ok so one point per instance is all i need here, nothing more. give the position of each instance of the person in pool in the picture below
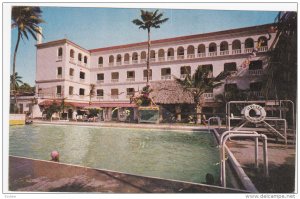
(55, 156)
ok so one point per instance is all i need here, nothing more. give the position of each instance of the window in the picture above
(184, 70)
(256, 86)
(82, 75)
(180, 50)
(208, 67)
(230, 66)
(80, 57)
(100, 60)
(71, 90)
(223, 46)
(100, 76)
(130, 74)
(114, 93)
(115, 75)
(201, 48)
(71, 72)
(135, 56)
(72, 52)
(236, 44)
(111, 59)
(60, 52)
(119, 58)
(255, 65)
(59, 71)
(230, 87)
(85, 59)
(145, 72)
(212, 47)
(100, 92)
(249, 43)
(130, 91)
(58, 90)
(170, 52)
(81, 91)
(165, 73)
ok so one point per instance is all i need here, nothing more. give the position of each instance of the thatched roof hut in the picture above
(170, 92)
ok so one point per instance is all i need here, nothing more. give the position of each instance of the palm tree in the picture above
(149, 20)
(26, 19)
(15, 81)
(92, 92)
(200, 82)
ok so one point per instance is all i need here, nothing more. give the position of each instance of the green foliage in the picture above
(53, 108)
(93, 112)
(15, 81)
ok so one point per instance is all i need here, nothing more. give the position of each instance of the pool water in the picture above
(178, 155)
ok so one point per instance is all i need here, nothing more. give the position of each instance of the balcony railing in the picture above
(179, 57)
(170, 58)
(256, 72)
(190, 56)
(262, 49)
(150, 78)
(99, 97)
(208, 96)
(135, 61)
(212, 54)
(224, 52)
(161, 58)
(126, 62)
(236, 51)
(114, 96)
(114, 80)
(248, 50)
(100, 65)
(58, 95)
(166, 77)
(130, 79)
(111, 64)
(257, 94)
(118, 63)
(201, 55)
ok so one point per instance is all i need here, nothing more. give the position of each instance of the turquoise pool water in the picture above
(177, 155)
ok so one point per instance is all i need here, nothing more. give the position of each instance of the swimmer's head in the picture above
(55, 156)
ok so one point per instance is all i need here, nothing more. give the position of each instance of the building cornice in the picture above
(60, 42)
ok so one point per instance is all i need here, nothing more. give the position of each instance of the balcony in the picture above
(201, 55)
(135, 61)
(161, 58)
(224, 52)
(100, 65)
(248, 50)
(262, 49)
(58, 95)
(99, 97)
(114, 80)
(166, 77)
(179, 57)
(111, 64)
(256, 72)
(208, 96)
(190, 56)
(170, 58)
(126, 62)
(236, 51)
(114, 96)
(130, 79)
(212, 54)
(150, 78)
(118, 63)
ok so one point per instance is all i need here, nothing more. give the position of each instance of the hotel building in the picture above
(67, 71)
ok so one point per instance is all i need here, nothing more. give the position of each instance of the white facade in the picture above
(116, 69)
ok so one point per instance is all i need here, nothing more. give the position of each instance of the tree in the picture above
(15, 81)
(26, 19)
(149, 20)
(200, 82)
(26, 88)
(92, 92)
(281, 79)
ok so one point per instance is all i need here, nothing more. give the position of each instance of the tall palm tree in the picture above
(26, 19)
(149, 20)
(15, 81)
(200, 82)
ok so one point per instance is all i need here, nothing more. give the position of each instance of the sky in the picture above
(100, 27)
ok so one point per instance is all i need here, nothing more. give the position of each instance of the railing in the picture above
(58, 95)
(126, 62)
(111, 64)
(165, 77)
(118, 63)
(257, 93)
(114, 80)
(179, 57)
(161, 58)
(99, 97)
(212, 54)
(208, 96)
(114, 96)
(170, 58)
(130, 79)
(224, 52)
(150, 78)
(135, 61)
(201, 55)
(256, 72)
(100, 65)
(190, 56)
(248, 50)
(262, 49)
(236, 51)
(100, 81)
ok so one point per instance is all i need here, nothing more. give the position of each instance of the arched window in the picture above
(161, 55)
(201, 50)
(126, 58)
(180, 52)
(236, 44)
(80, 57)
(135, 58)
(224, 46)
(143, 55)
(111, 60)
(191, 52)
(249, 43)
(100, 60)
(119, 59)
(152, 55)
(60, 52)
(263, 41)
(170, 54)
(72, 52)
(212, 47)
(85, 59)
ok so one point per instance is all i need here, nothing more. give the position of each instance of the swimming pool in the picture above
(177, 155)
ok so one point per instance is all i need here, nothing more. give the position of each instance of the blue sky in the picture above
(101, 27)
